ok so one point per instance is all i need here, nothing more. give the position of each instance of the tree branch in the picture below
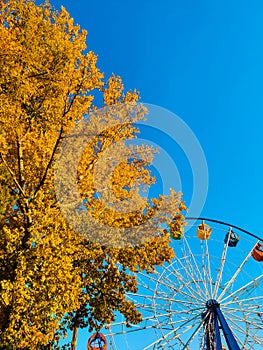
(20, 162)
(49, 164)
(65, 112)
(13, 176)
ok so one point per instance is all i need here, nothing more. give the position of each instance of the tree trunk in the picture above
(74, 338)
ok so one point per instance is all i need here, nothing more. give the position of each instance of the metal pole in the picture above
(230, 339)
(214, 307)
(217, 332)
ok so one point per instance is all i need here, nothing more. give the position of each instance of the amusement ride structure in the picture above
(209, 297)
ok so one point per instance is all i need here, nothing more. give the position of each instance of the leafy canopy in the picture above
(52, 277)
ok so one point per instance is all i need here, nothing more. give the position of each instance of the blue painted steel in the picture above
(230, 339)
(213, 306)
(217, 332)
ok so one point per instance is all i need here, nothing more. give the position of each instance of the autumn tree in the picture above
(53, 275)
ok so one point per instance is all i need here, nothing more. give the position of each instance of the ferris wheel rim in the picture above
(225, 224)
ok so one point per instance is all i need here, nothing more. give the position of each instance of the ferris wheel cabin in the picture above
(97, 342)
(257, 252)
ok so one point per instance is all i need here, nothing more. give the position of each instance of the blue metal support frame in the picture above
(214, 307)
(217, 332)
(230, 339)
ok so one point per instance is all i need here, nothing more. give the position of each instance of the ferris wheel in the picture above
(209, 297)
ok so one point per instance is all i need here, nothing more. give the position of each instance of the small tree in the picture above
(51, 277)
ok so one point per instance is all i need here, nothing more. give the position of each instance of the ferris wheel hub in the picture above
(212, 304)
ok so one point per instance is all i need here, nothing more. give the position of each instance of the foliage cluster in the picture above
(52, 278)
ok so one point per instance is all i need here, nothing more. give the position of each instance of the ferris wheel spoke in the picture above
(195, 268)
(191, 265)
(153, 322)
(248, 311)
(175, 332)
(250, 332)
(233, 278)
(204, 333)
(177, 338)
(190, 273)
(237, 330)
(152, 309)
(122, 328)
(235, 317)
(181, 278)
(207, 255)
(158, 341)
(183, 314)
(182, 323)
(208, 331)
(156, 304)
(201, 324)
(221, 269)
(112, 342)
(139, 326)
(148, 281)
(249, 287)
(156, 309)
(173, 287)
(176, 323)
(252, 329)
(260, 297)
(160, 298)
(206, 269)
(193, 335)
(190, 278)
(186, 312)
(205, 278)
(251, 323)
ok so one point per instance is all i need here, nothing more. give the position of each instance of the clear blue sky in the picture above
(203, 60)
